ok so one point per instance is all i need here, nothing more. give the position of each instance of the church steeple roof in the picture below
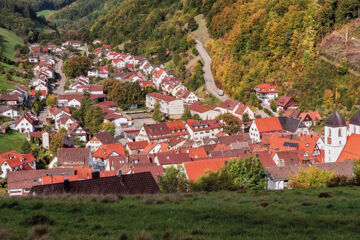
(335, 120)
(355, 119)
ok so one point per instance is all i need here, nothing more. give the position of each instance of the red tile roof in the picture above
(266, 88)
(105, 150)
(315, 116)
(177, 128)
(198, 152)
(351, 150)
(200, 107)
(196, 169)
(162, 97)
(15, 159)
(172, 158)
(203, 124)
(271, 124)
(139, 145)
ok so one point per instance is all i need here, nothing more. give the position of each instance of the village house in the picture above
(171, 159)
(100, 139)
(266, 93)
(203, 129)
(19, 183)
(310, 118)
(276, 125)
(76, 131)
(14, 161)
(103, 153)
(177, 128)
(157, 132)
(72, 157)
(205, 111)
(28, 122)
(136, 147)
(101, 72)
(187, 96)
(158, 76)
(42, 138)
(236, 108)
(10, 112)
(286, 102)
(168, 105)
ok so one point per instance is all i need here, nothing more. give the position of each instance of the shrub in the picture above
(311, 177)
(215, 181)
(173, 181)
(268, 112)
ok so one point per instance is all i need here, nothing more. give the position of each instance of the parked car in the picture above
(221, 93)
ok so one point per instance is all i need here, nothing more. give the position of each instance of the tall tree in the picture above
(157, 115)
(231, 123)
(76, 66)
(93, 119)
(56, 141)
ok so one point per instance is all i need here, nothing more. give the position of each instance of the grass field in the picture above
(8, 40)
(11, 141)
(292, 214)
(4, 83)
(45, 13)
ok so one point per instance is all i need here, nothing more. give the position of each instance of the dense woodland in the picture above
(20, 17)
(252, 42)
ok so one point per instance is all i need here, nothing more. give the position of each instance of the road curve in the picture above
(209, 79)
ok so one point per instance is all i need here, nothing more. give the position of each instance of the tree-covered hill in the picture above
(20, 17)
(253, 41)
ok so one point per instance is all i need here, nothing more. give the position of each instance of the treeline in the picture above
(39, 5)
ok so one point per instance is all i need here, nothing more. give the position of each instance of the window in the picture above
(339, 132)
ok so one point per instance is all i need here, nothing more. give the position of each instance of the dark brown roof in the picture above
(289, 157)
(27, 179)
(228, 140)
(172, 158)
(137, 183)
(105, 138)
(157, 131)
(340, 168)
(230, 153)
(335, 120)
(70, 157)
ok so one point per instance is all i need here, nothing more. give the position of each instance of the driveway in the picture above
(208, 76)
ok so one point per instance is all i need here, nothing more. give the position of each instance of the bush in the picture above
(195, 52)
(215, 181)
(311, 177)
(268, 112)
(337, 181)
(174, 180)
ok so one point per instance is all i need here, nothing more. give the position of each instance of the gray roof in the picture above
(291, 124)
(335, 120)
(355, 119)
(340, 168)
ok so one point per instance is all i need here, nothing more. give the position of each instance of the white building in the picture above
(266, 93)
(199, 130)
(335, 137)
(168, 105)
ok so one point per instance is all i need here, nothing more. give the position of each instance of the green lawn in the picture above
(291, 214)
(8, 40)
(11, 141)
(45, 13)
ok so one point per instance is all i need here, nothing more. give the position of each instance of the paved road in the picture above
(61, 83)
(209, 79)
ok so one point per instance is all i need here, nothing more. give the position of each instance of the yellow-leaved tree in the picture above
(311, 177)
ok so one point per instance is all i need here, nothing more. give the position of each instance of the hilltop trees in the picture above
(76, 66)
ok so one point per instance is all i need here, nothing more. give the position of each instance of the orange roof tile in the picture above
(198, 152)
(271, 124)
(351, 150)
(105, 150)
(196, 169)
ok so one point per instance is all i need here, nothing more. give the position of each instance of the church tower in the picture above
(354, 126)
(335, 137)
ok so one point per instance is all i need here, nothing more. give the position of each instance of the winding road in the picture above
(209, 79)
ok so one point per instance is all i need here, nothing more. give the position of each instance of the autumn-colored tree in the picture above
(51, 100)
(56, 141)
(76, 66)
(311, 177)
(192, 24)
(94, 118)
(157, 115)
(108, 127)
(231, 123)
(343, 66)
